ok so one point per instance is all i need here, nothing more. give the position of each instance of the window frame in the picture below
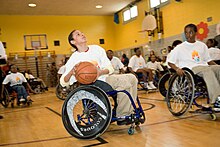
(161, 4)
(131, 18)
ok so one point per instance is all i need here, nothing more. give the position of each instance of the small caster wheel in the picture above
(131, 131)
(213, 116)
(137, 124)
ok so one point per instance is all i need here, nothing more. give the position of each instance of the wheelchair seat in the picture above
(87, 110)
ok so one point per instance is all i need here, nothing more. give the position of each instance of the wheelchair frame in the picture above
(184, 91)
(91, 124)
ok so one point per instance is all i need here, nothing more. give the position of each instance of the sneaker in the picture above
(152, 85)
(149, 87)
(28, 97)
(22, 100)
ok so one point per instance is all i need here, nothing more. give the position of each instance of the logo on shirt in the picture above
(18, 79)
(195, 56)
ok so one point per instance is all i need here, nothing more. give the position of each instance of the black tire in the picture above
(86, 112)
(180, 93)
(6, 99)
(164, 84)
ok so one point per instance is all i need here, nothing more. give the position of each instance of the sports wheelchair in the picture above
(185, 91)
(36, 86)
(87, 111)
(9, 97)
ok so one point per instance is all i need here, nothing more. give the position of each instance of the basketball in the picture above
(86, 73)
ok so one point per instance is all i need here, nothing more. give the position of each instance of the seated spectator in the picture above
(62, 68)
(29, 76)
(214, 52)
(137, 65)
(125, 60)
(154, 65)
(116, 63)
(16, 79)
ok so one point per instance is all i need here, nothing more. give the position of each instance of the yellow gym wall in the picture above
(175, 16)
(13, 29)
(117, 36)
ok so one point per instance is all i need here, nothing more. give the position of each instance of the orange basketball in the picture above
(86, 73)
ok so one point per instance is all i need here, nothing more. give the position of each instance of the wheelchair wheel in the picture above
(163, 84)
(61, 92)
(180, 93)
(6, 99)
(86, 112)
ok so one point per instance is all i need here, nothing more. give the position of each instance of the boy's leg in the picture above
(124, 82)
(210, 79)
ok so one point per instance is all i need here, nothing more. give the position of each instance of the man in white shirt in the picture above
(137, 65)
(16, 79)
(194, 55)
(116, 62)
(214, 52)
(154, 65)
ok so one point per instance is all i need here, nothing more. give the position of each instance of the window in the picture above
(157, 3)
(130, 13)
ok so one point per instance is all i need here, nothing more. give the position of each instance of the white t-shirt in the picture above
(154, 66)
(117, 64)
(95, 55)
(61, 70)
(214, 53)
(190, 55)
(14, 79)
(2, 51)
(136, 63)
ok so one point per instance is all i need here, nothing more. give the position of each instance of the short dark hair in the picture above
(110, 51)
(135, 49)
(193, 26)
(176, 42)
(70, 38)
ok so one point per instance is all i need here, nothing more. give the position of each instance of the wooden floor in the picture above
(40, 125)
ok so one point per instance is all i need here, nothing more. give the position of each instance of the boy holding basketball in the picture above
(97, 55)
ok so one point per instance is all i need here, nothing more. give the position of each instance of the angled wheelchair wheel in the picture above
(163, 84)
(61, 92)
(6, 99)
(180, 93)
(86, 112)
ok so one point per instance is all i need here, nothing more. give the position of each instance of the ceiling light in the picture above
(98, 6)
(32, 5)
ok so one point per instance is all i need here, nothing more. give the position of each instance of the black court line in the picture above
(53, 111)
(151, 106)
(35, 141)
(101, 141)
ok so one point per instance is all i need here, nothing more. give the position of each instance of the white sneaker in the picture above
(149, 87)
(152, 85)
(22, 100)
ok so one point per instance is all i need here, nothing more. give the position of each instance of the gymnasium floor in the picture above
(40, 125)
